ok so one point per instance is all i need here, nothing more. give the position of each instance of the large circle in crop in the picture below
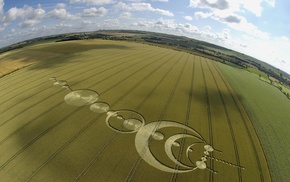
(81, 97)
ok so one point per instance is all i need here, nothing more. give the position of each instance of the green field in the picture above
(284, 89)
(258, 72)
(269, 111)
(42, 138)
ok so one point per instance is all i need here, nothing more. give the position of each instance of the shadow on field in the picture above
(55, 54)
(215, 100)
(41, 144)
(67, 51)
(76, 47)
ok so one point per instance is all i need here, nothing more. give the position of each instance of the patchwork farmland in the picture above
(42, 138)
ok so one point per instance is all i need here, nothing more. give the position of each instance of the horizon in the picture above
(248, 27)
(100, 30)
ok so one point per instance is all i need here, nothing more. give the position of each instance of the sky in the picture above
(259, 28)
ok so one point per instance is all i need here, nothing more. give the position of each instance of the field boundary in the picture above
(242, 108)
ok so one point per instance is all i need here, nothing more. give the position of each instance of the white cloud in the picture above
(274, 51)
(162, 12)
(161, 0)
(223, 38)
(234, 21)
(28, 23)
(207, 27)
(61, 14)
(86, 22)
(2, 25)
(142, 7)
(14, 13)
(231, 6)
(111, 23)
(165, 24)
(1, 7)
(142, 24)
(187, 28)
(200, 14)
(282, 38)
(125, 15)
(250, 29)
(188, 18)
(92, 2)
(94, 12)
(253, 6)
(271, 2)
(63, 25)
(11, 15)
(60, 6)
(216, 4)
(27, 13)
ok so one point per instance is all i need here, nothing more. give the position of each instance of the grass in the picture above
(283, 88)
(264, 77)
(265, 80)
(45, 139)
(269, 112)
(257, 72)
(233, 65)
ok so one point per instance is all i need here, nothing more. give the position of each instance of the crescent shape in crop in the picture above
(142, 140)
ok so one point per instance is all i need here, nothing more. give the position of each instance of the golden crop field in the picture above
(172, 116)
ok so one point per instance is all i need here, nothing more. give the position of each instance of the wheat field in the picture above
(169, 116)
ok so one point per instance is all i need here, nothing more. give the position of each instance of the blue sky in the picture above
(259, 28)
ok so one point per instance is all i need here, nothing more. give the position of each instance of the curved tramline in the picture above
(90, 123)
(34, 106)
(263, 174)
(234, 97)
(53, 61)
(208, 116)
(124, 111)
(87, 70)
(92, 66)
(47, 73)
(137, 108)
(39, 136)
(136, 164)
(228, 121)
(174, 175)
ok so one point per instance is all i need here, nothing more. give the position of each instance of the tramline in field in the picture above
(135, 123)
(177, 109)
